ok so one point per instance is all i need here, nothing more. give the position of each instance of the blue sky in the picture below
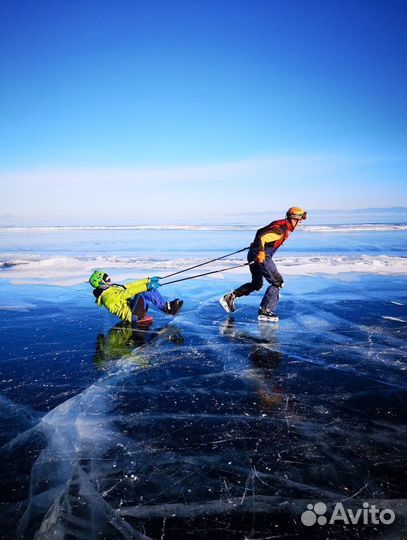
(170, 110)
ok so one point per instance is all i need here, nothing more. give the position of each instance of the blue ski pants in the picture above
(267, 271)
(141, 302)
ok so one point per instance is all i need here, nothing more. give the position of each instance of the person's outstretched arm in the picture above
(136, 287)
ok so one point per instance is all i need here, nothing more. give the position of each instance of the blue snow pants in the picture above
(267, 271)
(141, 302)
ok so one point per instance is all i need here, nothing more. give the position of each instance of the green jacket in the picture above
(117, 299)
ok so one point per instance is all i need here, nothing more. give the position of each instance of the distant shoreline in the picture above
(355, 227)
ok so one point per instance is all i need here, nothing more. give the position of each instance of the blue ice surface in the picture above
(208, 425)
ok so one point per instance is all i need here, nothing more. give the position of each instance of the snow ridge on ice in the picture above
(64, 270)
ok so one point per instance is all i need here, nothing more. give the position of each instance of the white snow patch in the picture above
(345, 228)
(68, 271)
(397, 319)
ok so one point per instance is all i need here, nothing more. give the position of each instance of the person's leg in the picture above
(138, 307)
(154, 297)
(254, 285)
(257, 280)
(141, 302)
(272, 294)
(228, 300)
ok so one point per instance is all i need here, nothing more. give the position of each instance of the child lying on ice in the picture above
(130, 302)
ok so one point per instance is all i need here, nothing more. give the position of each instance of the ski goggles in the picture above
(299, 216)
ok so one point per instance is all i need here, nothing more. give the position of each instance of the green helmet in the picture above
(99, 279)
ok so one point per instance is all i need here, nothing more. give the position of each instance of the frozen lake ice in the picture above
(206, 426)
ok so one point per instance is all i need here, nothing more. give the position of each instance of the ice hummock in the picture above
(68, 271)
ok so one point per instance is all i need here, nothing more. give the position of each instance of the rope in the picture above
(203, 264)
(208, 273)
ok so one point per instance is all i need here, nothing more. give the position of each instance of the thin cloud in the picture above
(286, 165)
(183, 191)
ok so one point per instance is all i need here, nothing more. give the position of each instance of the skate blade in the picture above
(263, 318)
(223, 303)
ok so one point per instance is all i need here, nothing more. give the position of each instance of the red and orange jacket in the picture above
(272, 236)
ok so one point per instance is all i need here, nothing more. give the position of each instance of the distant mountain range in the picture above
(389, 210)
